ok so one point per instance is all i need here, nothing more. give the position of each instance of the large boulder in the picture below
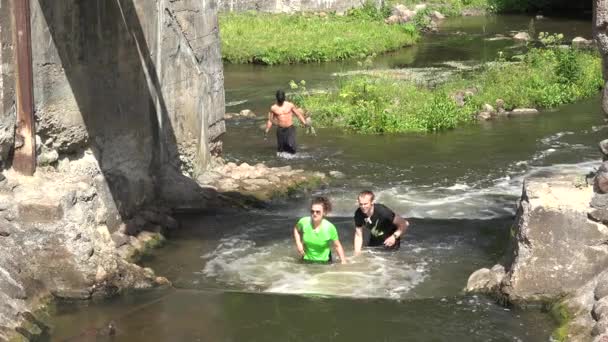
(57, 239)
(557, 248)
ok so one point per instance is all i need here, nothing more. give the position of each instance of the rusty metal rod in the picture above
(24, 159)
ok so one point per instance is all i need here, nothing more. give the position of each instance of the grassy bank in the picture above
(455, 7)
(264, 38)
(300, 38)
(545, 78)
(449, 7)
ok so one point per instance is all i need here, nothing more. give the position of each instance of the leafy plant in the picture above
(550, 40)
(568, 70)
(299, 91)
(369, 11)
(422, 19)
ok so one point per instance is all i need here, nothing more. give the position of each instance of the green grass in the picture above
(546, 78)
(299, 38)
(455, 7)
(448, 7)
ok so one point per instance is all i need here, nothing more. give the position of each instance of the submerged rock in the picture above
(581, 42)
(259, 183)
(522, 36)
(482, 116)
(522, 111)
(337, 174)
(486, 280)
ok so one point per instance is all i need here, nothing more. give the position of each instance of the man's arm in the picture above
(402, 225)
(358, 240)
(298, 112)
(269, 122)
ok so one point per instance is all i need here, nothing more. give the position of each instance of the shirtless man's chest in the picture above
(283, 115)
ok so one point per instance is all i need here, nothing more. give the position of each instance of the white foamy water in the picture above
(235, 103)
(241, 263)
(481, 199)
(299, 155)
(488, 197)
(472, 201)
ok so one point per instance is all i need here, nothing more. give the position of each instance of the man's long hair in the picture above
(280, 95)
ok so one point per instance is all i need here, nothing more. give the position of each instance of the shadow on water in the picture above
(202, 315)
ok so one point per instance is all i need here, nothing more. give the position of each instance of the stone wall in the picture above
(600, 33)
(290, 6)
(7, 83)
(140, 82)
(129, 102)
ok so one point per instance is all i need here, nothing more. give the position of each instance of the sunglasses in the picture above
(316, 211)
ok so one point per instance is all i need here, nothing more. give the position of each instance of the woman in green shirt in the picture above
(314, 234)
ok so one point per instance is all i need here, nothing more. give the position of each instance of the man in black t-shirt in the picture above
(386, 227)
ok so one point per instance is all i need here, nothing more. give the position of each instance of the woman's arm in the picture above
(298, 239)
(340, 251)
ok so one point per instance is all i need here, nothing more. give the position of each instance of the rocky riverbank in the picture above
(558, 256)
(62, 235)
(58, 239)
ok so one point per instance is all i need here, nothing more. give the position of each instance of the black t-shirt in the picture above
(380, 225)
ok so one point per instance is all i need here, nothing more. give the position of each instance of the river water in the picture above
(235, 274)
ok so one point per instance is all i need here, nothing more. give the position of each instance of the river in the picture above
(235, 275)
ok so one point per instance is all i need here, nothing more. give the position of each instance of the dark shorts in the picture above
(286, 139)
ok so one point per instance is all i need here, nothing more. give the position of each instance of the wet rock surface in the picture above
(247, 184)
(486, 280)
(71, 241)
(557, 248)
(559, 255)
(57, 242)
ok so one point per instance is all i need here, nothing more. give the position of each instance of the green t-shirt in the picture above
(317, 245)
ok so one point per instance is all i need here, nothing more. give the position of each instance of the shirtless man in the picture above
(281, 114)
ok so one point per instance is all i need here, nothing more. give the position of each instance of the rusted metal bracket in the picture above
(24, 159)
